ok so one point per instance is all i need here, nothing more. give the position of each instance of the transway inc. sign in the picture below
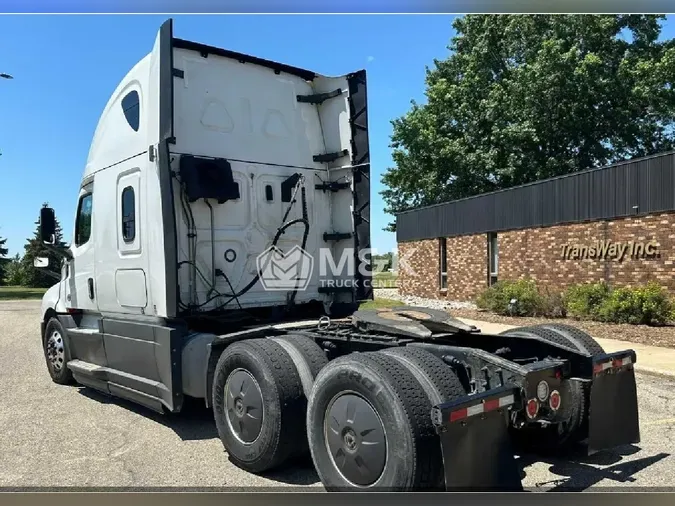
(608, 250)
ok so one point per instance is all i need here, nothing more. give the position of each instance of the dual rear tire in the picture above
(365, 418)
(562, 437)
(259, 399)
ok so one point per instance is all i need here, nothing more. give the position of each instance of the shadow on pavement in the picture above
(195, 423)
(578, 471)
(299, 471)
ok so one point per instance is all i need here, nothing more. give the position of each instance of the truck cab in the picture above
(200, 157)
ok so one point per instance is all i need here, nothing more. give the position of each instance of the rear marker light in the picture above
(554, 400)
(483, 407)
(612, 364)
(532, 408)
(542, 391)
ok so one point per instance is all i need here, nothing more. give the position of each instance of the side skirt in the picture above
(137, 360)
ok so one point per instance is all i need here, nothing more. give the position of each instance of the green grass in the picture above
(20, 292)
(380, 303)
(385, 280)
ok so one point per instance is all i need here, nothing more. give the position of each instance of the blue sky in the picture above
(66, 67)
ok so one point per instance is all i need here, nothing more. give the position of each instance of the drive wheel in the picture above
(369, 427)
(258, 404)
(308, 359)
(56, 352)
(561, 437)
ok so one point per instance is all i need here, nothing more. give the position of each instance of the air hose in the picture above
(304, 220)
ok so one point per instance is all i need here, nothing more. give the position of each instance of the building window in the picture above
(493, 259)
(83, 223)
(443, 264)
(128, 214)
(132, 109)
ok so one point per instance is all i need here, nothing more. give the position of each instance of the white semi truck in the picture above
(203, 162)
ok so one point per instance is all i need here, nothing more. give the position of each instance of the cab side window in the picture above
(83, 222)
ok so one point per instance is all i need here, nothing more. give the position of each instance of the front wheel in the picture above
(56, 352)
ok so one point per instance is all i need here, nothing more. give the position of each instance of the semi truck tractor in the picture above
(221, 253)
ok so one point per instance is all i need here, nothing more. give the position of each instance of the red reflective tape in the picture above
(491, 405)
(458, 415)
(617, 363)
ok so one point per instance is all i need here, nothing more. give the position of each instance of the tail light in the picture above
(532, 408)
(554, 400)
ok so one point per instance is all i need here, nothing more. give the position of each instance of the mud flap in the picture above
(613, 411)
(475, 443)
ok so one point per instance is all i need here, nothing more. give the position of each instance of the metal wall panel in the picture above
(634, 187)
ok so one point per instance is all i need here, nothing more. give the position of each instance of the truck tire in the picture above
(56, 352)
(307, 356)
(308, 359)
(580, 339)
(560, 437)
(439, 381)
(372, 398)
(584, 343)
(258, 404)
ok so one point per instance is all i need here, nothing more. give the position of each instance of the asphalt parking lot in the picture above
(58, 436)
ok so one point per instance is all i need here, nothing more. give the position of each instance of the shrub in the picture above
(647, 305)
(553, 304)
(583, 301)
(498, 297)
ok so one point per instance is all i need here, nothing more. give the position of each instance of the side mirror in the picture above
(41, 262)
(47, 225)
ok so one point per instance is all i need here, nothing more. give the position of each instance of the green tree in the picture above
(383, 261)
(14, 272)
(3, 258)
(525, 97)
(35, 277)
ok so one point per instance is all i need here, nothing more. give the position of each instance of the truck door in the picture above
(81, 290)
(86, 342)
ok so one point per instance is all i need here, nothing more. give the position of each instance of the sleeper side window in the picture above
(128, 214)
(132, 109)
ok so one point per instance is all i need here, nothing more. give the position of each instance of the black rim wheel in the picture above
(244, 405)
(355, 438)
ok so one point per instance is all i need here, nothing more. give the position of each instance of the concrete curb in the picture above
(651, 371)
(645, 354)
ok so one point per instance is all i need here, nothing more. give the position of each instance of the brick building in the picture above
(614, 223)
